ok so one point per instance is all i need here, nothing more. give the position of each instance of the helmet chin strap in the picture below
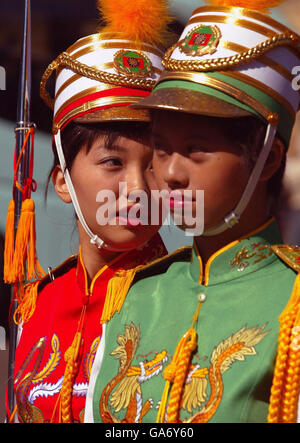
(233, 217)
(94, 239)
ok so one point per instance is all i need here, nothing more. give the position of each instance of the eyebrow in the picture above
(192, 138)
(114, 147)
(155, 135)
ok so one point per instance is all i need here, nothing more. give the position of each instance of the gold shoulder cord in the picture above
(171, 64)
(66, 61)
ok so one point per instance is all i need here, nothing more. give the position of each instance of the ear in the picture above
(274, 160)
(60, 185)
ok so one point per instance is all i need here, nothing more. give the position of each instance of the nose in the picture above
(136, 183)
(175, 174)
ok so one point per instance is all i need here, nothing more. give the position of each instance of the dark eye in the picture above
(195, 149)
(111, 162)
(159, 150)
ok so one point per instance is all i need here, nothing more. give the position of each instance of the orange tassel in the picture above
(142, 21)
(27, 298)
(25, 245)
(9, 243)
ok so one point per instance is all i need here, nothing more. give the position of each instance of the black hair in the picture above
(77, 136)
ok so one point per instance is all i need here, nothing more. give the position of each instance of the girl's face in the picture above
(110, 210)
(192, 153)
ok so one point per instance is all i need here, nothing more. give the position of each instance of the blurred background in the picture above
(56, 24)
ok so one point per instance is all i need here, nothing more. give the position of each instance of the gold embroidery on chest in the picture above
(89, 359)
(34, 384)
(234, 348)
(255, 253)
(127, 383)
(28, 413)
(124, 391)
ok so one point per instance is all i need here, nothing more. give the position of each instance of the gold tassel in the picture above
(72, 356)
(175, 374)
(25, 245)
(9, 244)
(27, 297)
(117, 290)
(286, 379)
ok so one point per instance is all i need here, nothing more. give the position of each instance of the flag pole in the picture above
(23, 125)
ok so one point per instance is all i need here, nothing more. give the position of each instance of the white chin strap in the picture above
(233, 217)
(95, 240)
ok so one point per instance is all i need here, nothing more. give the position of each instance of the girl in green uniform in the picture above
(200, 330)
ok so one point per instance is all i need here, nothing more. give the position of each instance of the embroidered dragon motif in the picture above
(234, 348)
(204, 387)
(127, 383)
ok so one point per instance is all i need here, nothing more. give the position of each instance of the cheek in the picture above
(226, 174)
(158, 172)
(89, 180)
(150, 180)
(223, 187)
(236, 174)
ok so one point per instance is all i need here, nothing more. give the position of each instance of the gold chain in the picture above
(66, 61)
(228, 62)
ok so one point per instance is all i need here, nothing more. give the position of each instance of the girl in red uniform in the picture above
(99, 142)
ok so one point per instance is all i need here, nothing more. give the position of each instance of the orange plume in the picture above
(141, 21)
(257, 5)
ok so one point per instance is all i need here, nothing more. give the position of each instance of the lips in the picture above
(177, 200)
(131, 222)
(180, 204)
(125, 219)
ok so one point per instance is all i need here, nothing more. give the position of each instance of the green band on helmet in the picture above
(286, 121)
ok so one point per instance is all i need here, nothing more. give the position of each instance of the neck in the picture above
(256, 214)
(93, 258)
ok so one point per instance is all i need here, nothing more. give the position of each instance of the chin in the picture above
(126, 239)
(191, 229)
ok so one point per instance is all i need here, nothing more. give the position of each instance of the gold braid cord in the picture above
(285, 390)
(219, 64)
(64, 60)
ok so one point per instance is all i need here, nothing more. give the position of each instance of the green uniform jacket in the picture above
(243, 289)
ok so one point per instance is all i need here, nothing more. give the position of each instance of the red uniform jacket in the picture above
(40, 362)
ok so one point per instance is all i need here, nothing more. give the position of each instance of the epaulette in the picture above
(162, 264)
(28, 295)
(289, 255)
(61, 269)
